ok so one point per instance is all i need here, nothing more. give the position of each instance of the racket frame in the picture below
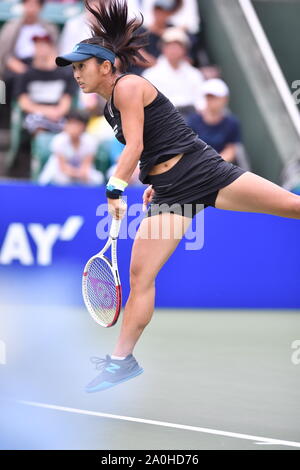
(113, 265)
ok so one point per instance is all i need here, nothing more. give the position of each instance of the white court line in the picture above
(265, 443)
(265, 440)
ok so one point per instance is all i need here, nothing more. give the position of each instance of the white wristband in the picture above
(117, 183)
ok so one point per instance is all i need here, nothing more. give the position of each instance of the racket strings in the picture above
(101, 290)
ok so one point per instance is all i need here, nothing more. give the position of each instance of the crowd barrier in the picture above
(226, 260)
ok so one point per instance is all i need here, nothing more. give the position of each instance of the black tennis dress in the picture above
(195, 179)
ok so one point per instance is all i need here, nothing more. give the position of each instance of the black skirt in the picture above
(193, 183)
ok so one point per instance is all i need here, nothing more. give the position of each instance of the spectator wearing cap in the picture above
(17, 47)
(174, 76)
(215, 124)
(44, 93)
(162, 11)
(183, 14)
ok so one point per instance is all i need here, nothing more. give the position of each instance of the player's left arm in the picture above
(129, 99)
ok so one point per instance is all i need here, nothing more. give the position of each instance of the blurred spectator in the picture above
(45, 94)
(77, 29)
(45, 91)
(174, 76)
(63, 1)
(187, 16)
(17, 47)
(73, 154)
(183, 14)
(162, 10)
(214, 124)
(161, 13)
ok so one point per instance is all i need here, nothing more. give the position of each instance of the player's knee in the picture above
(139, 278)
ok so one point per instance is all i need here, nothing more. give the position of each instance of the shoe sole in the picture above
(113, 384)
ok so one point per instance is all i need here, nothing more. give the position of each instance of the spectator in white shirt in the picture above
(73, 154)
(174, 76)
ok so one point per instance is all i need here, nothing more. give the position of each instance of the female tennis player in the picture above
(180, 169)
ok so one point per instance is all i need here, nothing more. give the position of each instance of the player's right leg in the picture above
(156, 239)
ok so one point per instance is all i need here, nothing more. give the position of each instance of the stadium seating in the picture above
(9, 10)
(40, 151)
(53, 12)
(59, 13)
(15, 134)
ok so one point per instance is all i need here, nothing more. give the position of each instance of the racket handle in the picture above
(115, 228)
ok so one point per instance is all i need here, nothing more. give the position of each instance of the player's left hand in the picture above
(147, 197)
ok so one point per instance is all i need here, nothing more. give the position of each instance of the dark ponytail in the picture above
(111, 29)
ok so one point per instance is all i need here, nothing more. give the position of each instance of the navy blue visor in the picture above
(84, 51)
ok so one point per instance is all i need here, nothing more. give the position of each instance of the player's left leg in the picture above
(252, 193)
(156, 240)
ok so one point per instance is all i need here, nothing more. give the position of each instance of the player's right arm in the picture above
(129, 99)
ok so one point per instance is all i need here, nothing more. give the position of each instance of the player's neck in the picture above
(105, 89)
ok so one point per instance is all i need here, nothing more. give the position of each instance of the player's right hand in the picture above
(117, 208)
(147, 197)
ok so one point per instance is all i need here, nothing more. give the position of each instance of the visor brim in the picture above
(68, 59)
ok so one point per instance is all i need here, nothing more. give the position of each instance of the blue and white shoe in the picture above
(113, 372)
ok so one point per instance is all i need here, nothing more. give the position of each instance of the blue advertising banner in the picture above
(226, 259)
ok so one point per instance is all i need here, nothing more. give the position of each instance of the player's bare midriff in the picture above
(165, 166)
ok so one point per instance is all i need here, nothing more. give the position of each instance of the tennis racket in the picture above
(101, 286)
